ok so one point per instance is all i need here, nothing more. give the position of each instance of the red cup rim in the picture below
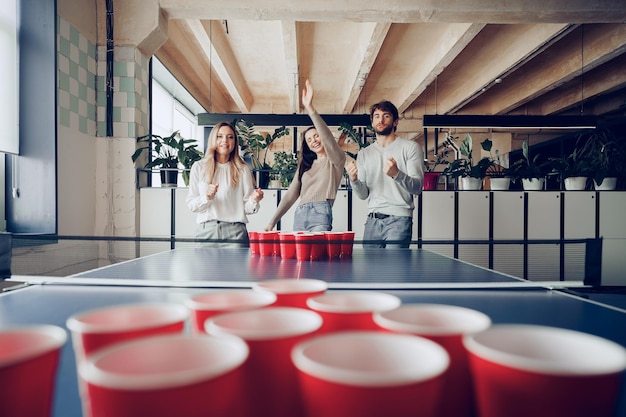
(230, 300)
(199, 358)
(433, 320)
(48, 338)
(354, 302)
(416, 359)
(547, 350)
(265, 324)
(292, 285)
(91, 321)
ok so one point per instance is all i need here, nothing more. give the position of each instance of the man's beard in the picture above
(384, 131)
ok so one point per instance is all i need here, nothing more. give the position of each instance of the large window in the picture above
(173, 108)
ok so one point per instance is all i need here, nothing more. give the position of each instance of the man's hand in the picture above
(391, 168)
(352, 170)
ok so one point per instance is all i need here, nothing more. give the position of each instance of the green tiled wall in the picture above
(82, 86)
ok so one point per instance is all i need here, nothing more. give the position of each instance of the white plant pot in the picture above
(275, 184)
(532, 184)
(609, 183)
(499, 184)
(575, 183)
(471, 183)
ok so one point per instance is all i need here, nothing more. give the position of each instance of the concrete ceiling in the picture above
(535, 57)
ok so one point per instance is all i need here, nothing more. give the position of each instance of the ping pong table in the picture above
(416, 276)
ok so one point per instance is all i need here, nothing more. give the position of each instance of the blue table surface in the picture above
(53, 304)
(366, 266)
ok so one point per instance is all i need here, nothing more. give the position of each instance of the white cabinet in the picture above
(473, 224)
(267, 208)
(613, 231)
(438, 220)
(544, 222)
(359, 216)
(579, 221)
(508, 224)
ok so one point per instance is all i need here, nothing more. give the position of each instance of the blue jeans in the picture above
(393, 229)
(313, 217)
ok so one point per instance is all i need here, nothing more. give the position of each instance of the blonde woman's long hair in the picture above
(236, 163)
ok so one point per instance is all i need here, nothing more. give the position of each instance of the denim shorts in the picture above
(218, 234)
(391, 231)
(313, 217)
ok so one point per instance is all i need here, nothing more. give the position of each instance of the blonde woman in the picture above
(222, 192)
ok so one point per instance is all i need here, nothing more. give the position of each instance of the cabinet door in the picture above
(579, 219)
(474, 225)
(340, 211)
(155, 219)
(544, 222)
(508, 224)
(438, 220)
(185, 226)
(613, 231)
(359, 215)
(260, 219)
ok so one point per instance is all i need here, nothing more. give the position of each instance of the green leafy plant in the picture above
(353, 135)
(442, 156)
(575, 164)
(606, 154)
(465, 166)
(527, 167)
(284, 167)
(168, 152)
(253, 143)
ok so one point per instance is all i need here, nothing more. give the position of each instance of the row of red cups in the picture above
(268, 352)
(303, 246)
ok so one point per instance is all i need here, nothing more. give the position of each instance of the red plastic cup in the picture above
(370, 374)
(269, 243)
(209, 304)
(96, 329)
(304, 244)
(526, 370)
(29, 359)
(318, 247)
(333, 244)
(351, 310)
(271, 379)
(445, 325)
(347, 244)
(288, 245)
(254, 242)
(292, 292)
(164, 376)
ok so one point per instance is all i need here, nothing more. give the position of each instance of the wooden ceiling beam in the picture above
(368, 48)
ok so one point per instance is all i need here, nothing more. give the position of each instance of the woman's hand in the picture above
(211, 191)
(257, 195)
(307, 97)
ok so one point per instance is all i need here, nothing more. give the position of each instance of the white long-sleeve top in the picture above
(229, 204)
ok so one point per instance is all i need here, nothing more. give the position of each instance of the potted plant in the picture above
(431, 174)
(574, 168)
(167, 153)
(283, 169)
(497, 173)
(607, 156)
(472, 174)
(253, 144)
(529, 170)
